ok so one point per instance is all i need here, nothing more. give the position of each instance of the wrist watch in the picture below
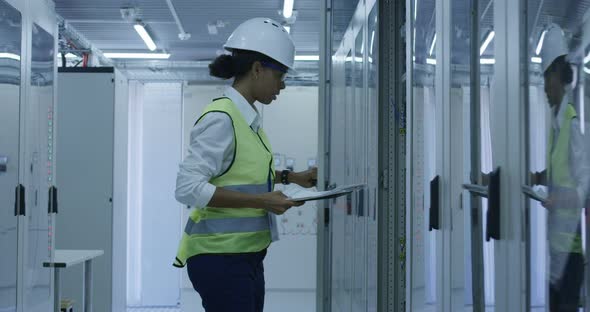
(285, 177)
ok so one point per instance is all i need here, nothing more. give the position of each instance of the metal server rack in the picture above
(392, 157)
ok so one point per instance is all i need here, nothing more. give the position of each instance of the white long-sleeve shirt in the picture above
(579, 158)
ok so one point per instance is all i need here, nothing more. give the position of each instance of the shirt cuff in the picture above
(206, 194)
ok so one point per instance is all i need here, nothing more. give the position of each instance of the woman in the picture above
(229, 173)
(567, 176)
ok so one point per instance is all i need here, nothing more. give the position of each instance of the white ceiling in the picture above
(101, 23)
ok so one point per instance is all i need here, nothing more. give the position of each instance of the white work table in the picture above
(69, 258)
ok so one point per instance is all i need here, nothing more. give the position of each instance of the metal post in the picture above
(56, 294)
(527, 165)
(324, 261)
(392, 131)
(581, 107)
(477, 266)
(87, 297)
(508, 108)
(444, 31)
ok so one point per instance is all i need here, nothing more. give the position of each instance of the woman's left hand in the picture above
(307, 179)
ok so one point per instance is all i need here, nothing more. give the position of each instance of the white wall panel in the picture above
(161, 141)
(120, 192)
(134, 206)
(156, 139)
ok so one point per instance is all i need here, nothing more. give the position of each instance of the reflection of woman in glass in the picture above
(566, 176)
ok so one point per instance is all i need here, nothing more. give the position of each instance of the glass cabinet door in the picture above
(40, 142)
(372, 157)
(341, 149)
(425, 179)
(10, 86)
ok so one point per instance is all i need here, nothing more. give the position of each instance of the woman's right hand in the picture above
(277, 202)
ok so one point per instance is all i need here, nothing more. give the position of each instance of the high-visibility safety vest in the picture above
(233, 230)
(564, 218)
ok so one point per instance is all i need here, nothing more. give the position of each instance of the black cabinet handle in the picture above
(493, 215)
(52, 200)
(361, 203)
(16, 201)
(434, 212)
(19, 200)
(349, 204)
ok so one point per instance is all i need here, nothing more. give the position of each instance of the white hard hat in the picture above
(265, 36)
(554, 45)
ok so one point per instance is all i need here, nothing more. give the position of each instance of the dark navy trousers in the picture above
(229, 283)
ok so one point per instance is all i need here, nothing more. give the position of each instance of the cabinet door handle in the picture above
(19, 200)
(52, 201)
(3, 163)
(493, 216)
(434, 211)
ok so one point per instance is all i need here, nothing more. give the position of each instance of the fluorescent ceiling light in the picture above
(372, 42)
(540, 44)
(536, 60)
(487, 42)
(11, 56)
(414, 46)
(587, 70)
(307, 57)
(288, 8)
(415, 9)
(587, 58)
(159, 56)
(145, 36)
(432, 44)
(288, 28)
(485, 61)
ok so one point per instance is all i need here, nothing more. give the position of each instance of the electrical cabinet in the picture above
(10, 84)
(27, 70)
(88, 99)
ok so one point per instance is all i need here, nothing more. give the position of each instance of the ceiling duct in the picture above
(82, 45)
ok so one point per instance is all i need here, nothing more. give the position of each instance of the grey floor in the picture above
(154, 309)
(275, 301)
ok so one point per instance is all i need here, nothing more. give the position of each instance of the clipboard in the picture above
(306, 195)
(531, 193)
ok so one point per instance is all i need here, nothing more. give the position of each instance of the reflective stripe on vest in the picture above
(230, 225)
(563, 223)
